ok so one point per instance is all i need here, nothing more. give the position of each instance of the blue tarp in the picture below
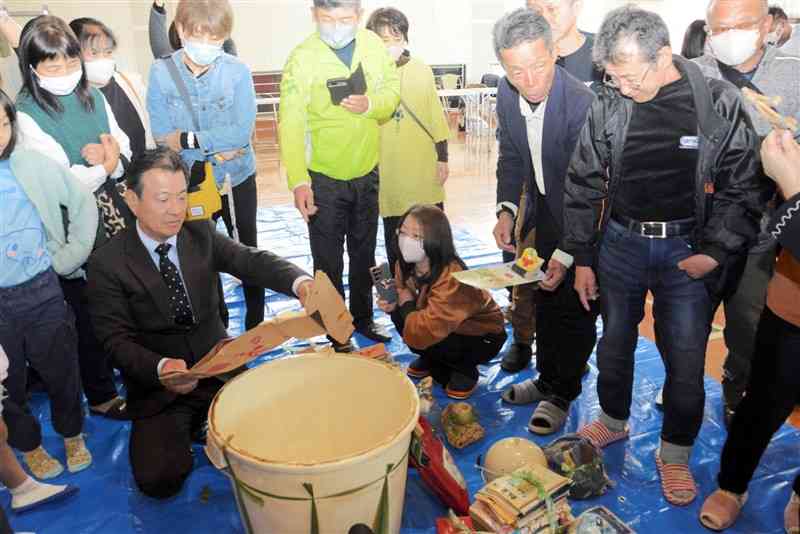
(109, 502)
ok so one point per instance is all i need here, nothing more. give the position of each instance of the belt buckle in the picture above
(662, 226)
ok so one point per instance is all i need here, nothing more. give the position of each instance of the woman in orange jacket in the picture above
(452, 327)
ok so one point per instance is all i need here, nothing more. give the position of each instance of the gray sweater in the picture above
(778, 74)
(159, 38)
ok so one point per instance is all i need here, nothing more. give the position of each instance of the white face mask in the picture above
(412, 249)
(100, 71)
(396, 51)
(337, 36)
(60, 85)
(734, 47)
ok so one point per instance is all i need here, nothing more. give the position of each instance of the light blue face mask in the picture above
(202, 53)
(337, 36)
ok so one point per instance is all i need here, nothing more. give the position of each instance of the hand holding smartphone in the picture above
(384, 283)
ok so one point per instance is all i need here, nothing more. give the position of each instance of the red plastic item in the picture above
(443, 525)
(437, 468)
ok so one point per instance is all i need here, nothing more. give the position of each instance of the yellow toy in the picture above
(527, 262)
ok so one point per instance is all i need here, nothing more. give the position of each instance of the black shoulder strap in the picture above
(737, 78)
(187, 100)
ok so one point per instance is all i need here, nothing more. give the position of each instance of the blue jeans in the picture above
(630, 265)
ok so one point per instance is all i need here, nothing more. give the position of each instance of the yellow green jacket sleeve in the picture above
(384, 95)
(293, 117)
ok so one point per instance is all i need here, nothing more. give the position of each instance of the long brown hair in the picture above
(437, 242)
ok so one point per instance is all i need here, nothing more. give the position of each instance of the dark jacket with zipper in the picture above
(729, 193)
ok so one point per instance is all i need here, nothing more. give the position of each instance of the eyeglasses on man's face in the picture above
(626, 81)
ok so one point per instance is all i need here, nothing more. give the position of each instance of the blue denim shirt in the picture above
(225, 101)
(22, 236)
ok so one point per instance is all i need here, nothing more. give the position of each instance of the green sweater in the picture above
(52, 189)
(343, 145)
(74, 127)
(408, 154)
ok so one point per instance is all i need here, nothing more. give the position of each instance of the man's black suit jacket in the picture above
(128, 303)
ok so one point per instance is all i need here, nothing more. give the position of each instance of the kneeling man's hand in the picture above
(170, 376)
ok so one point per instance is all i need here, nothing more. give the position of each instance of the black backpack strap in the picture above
(737, 78)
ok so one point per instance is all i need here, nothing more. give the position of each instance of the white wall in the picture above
(442, 31)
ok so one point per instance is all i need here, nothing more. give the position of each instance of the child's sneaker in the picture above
(419, 368)
(461, 386)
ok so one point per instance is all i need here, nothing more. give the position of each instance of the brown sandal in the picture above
(721, 509)
(791, 516)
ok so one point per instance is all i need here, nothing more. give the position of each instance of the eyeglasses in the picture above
(610, 81)
(742, 26)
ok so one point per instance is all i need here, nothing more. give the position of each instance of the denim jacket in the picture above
(225, 101)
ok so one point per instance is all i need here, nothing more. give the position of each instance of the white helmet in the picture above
(508, 455)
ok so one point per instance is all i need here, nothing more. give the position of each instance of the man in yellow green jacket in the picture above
(331, 150)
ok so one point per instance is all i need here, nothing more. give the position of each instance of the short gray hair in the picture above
(520, 26)
(333, 4)
(629, 24)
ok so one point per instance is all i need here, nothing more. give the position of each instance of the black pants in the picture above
(390, 227)
(97, 373)
(347, 209)
(245, 203)
(743, 311)
(5, 528)
(161, 445)
(770, 397)
(461, 354)
(37, 329)
(565, 337)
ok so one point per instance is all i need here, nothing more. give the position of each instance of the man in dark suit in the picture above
(573, 49)
(541, 109)
(155, 307)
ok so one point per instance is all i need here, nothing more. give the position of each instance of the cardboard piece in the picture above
(325, 313)
(498, 277)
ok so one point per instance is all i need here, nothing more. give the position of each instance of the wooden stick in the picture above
(765, 104)
(772, 101)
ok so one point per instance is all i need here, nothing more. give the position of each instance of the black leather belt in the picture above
(657, 230)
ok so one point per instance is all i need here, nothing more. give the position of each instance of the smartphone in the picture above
(339, 89)
(384, 282)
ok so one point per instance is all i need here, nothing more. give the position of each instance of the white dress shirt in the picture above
(534, 121)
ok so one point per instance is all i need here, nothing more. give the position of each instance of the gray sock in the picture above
(614, 425)
(674, 454)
